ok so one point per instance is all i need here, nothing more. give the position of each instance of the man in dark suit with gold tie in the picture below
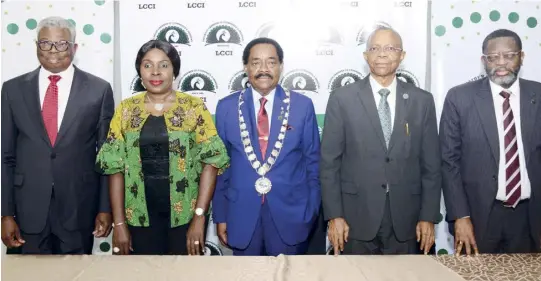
(53, 120)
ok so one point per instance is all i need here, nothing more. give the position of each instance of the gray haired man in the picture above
(380, 159)
(53, 119)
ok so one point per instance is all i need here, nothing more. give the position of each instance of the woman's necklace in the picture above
(159, 106)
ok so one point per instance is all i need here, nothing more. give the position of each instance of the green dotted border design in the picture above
(476, 17)
(494, 15)
(12, 28)
(88, 29)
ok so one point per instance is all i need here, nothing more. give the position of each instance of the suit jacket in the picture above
(356, 165)
(470, 152)
(295, 197)
(32, 167)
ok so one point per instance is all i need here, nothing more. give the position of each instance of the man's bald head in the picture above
(385, 33)
(384, 53)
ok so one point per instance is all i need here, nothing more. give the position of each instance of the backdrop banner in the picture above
(458, 29)
(323, 44)
(94, 21)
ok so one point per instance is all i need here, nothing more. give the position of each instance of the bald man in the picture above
(380, 159)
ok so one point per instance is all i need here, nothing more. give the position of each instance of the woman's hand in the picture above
(195, 238)
(122, 240)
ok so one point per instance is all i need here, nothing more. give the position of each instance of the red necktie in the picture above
(50, 108)
(263, 127)
(512, 164)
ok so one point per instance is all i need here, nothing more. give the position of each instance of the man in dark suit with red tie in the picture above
(53, 120)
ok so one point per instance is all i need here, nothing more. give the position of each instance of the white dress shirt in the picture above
(268, 105)
(514, 101)
(64, 88)
(391, 98)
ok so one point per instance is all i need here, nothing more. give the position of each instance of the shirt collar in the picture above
(68, 72)
(497, 89)
(376, 86)
(269, 97)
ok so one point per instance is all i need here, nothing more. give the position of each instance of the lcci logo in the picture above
(406, 4)
(196, 5)
(147, 6)
(247, 4)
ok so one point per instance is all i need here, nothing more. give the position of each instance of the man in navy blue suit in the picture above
(268, 201)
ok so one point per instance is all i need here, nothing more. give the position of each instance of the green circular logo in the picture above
(457, 22)
(88, 29)
(439, 30)
(531, 22)
(99, 2)
(513, 17)
(31, 24)
(442, 252)
(105, 38)
(12, 28)
(475, 17)
(494, 15)
(105, 247)
(72, 22)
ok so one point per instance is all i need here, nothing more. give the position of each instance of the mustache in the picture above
(494, 70)
(60, 56)
(263, 75)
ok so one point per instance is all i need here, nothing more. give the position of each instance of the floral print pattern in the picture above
(193, 142)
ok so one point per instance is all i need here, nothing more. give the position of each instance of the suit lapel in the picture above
(401, 110)
(485, 107)
(276, 121)
(369, 103)
(248, 112)
(32, 100)
(528, 110)
(76, 102)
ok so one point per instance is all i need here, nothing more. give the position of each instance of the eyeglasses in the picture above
(61, 46)
(507, 57)
(385, 49)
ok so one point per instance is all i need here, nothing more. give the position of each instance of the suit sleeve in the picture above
(106, 114)
(430, 166)
(9, 137)
(451, 142)
(332, 147)
(219, 201)
(311, 151)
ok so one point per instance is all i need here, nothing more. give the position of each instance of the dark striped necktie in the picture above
(512, 164)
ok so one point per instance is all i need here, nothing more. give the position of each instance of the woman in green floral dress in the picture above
(163, 155)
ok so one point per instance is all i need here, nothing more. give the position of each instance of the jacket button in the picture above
(383, 186)
(387, 159)
(53, 155)
(494, 178)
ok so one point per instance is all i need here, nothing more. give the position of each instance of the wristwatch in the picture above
(199, 211)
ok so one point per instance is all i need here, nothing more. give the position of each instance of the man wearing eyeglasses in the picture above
(380, 159)
(491, 145)
(53, 120)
